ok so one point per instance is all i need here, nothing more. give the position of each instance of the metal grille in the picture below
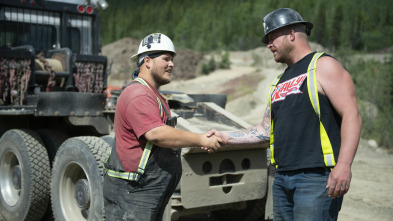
(29, 27)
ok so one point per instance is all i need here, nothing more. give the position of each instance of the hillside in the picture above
(246, 84)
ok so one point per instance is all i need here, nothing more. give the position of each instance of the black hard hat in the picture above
(280, 18)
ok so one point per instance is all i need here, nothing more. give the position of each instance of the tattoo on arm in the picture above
(266, 120)
(253, 135)
(258, 134)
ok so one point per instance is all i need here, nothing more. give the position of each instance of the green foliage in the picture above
(206, 25)
(199, 25)
(212, 65)
(374, 85)
(320, 30)
(208, 67)
(335, 29)
(225, 63)
(205, 69)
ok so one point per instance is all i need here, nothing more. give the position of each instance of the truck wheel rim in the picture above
(10, 179)
(70, 180)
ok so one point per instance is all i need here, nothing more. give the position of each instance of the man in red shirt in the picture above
(144, 168)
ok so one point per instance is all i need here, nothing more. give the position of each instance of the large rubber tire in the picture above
(76, 187)
(255, 210)
(110, 140)
(52, 140)
(24, 176)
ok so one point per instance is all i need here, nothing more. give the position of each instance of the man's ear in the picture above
(147, 61)
(292, 35)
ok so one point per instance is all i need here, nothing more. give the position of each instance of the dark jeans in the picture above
(145, 199)
(301, 195)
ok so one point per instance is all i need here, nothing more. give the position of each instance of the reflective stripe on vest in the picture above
(140, 80)
(145, 155)
(327, 149)
(271, 88)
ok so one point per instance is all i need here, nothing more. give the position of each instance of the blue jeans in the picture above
(301, 195)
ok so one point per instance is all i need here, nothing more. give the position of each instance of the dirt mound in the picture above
(187, 62)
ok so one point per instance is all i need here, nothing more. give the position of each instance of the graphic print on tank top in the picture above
(291, 86)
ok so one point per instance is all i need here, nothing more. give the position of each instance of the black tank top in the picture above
(297, 143)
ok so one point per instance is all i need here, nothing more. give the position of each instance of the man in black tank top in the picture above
(312, 122)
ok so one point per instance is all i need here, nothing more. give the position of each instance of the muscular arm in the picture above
(254, 135)
(335, 82)
(169, 137)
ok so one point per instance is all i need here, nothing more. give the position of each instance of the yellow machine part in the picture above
(54, 63)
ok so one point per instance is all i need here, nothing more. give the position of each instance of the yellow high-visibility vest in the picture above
(327, 149)
(145, 155)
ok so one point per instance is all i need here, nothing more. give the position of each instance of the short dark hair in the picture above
(299, 27)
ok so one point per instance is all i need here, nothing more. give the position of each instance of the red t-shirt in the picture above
(137, 112)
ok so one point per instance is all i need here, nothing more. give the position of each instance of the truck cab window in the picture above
(73, 41)
(41, 37)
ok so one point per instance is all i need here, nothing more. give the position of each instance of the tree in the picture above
(320, 25)
(336, 26)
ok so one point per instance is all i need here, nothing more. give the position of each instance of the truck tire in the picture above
(255, 210)
(110, 140)
(24, 176)
(52, 140)
(76, 187)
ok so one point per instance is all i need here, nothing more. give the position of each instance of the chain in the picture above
(99, 83)
(3, 77)
(49, 68)
(89, 77)
(24, 78)
(14, 80)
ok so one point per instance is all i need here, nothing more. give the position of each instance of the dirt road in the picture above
(370, 196)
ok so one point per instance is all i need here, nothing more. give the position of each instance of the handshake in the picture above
(212, 141)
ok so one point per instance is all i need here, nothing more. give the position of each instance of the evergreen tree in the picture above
(206, 25)
(336, 26)
(355, 37)
(320, 25)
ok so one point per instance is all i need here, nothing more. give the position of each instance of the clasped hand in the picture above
(215, 141)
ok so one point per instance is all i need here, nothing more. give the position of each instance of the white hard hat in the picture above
(155, 42)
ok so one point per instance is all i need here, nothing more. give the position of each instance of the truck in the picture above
(56, 125)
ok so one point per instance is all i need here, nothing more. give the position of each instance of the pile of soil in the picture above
(187, 62)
